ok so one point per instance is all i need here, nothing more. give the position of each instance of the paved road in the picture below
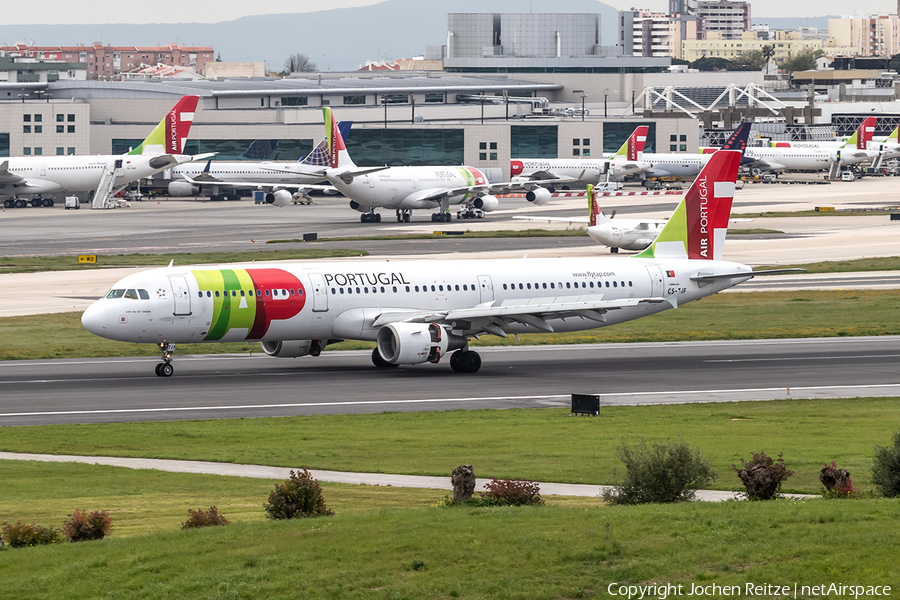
(110, 390)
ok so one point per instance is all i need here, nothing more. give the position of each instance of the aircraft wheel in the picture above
(399, 217)
(21, 203)
(614, 250)
(363, 218)
(377, 218)
(166, 369)
(406, 217)
(157, 368)
(456, 360)
(48, 202)
(9, 203)
(470, 361)
(380, 362)
(434, 217)
(37, 202)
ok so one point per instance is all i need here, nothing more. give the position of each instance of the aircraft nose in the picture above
(95, 319)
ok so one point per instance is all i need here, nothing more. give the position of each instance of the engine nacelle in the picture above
(183, 189)
(538, 196)
(412, 343)
(279, 198)
(292, 348)
(487, 203)
(358, 207)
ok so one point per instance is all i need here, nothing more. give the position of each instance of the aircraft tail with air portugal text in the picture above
(697, 227)
(634, 145)
(171, 133)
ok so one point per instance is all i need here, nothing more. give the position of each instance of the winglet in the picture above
(697, 228)
(635, 143)
(170, 135)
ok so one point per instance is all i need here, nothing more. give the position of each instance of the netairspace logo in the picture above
(750, 590)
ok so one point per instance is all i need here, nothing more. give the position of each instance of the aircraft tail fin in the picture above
(319, 156)
(738, 139)
(894, 138)
(863, 135)
(337, 150)
(698, 225)
(635, 143)
(170, 136)
(595, 213)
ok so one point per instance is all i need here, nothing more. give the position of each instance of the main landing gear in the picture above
(441, 217)
(370, 217)
(465, 361)
(403, 215)
(613, 250)
(165, 368)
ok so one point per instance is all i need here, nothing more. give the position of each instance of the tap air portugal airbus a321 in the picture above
(419, 311)
(44, 175)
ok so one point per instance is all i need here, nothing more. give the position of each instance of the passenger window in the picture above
(242, 293)
(630, 284)
(521, 286)
(417, 288)
(217, 293)
(131, 294)
(382, 289)
(432, 288)
(465, 288)
(395, 289)
(349, 290)
(528, 285)
(299, 291)
(208, 294)
(342, 290)
(457, 288)
(544, 285)
(552, 286)
(504, 286)
(357, 290)
(258, 293)
(333, 291)
(267, 293)
(199, 294)
(441, 288)
(145, 296)
(607, 284)
(568, 285)
(366, 290)
(592, 285)
(614, 284)
(407, 289)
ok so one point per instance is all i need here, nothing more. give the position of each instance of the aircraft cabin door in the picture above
(181, 294)
(319, 292)
(486, 287)
(657, 287)
(43, 169)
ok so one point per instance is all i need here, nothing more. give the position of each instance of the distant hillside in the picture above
(339, 40)
(794, 23)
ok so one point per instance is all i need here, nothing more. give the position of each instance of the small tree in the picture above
(762, 475)
(299, 497)
(768, 51)
(198, 518)
(83, 526)
(837, 482)
(886, 468)
(299, 63)
(664, 473)
(512, 492)
(22, 535)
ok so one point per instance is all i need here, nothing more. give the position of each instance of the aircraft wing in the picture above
(6, 176)
(569, 220)
(494, 318)
(266, 186)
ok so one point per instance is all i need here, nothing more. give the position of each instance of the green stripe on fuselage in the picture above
(469, 179)
(229, 311)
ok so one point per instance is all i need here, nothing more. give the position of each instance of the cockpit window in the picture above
(131, 294)
(115, 293)
(144, 294)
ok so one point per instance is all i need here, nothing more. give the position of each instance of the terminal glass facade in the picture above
(4, 144)
(406, 147)
(533, 141)
(615, 134)
(234, 149)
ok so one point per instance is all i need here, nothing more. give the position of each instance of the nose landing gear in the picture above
(165, 368)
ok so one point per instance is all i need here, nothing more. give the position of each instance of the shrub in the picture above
(299, 497)
(22, 535)
(198, 518)
(837, 482)
(83, 526)
(762, 476)
(886, 468)
(512, 492)
(664, 473)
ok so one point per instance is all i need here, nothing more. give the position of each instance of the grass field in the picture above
(538, 444)
(762, 315)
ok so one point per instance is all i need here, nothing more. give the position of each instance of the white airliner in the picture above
(630, 234)
(405, 189)
(626, 161)
(44, 175)
(686, 165)
(419, 311)
(278, 179)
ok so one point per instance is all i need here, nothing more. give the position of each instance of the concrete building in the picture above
(730, 18)
(534, 43)
(788, 44)
(31, 70)
(873, 36)
(108, 62)
(650, 34)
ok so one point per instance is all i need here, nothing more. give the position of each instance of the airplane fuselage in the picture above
(629, 234)
(675, 165)
(406, 188)
(323, 301)
(267, 172)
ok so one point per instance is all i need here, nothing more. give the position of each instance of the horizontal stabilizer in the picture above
(738, 274)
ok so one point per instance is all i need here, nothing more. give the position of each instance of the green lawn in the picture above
(538, 444)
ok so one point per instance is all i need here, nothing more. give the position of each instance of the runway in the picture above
(230, 386)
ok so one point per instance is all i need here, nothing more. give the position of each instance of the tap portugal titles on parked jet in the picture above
(421, 311)
(44, 175)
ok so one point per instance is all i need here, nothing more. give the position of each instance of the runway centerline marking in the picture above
(785, 359)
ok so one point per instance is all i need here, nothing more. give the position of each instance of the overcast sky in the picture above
(212, 11)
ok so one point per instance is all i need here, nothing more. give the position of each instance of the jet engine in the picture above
(183, 189)
(487, 203)
(414, 343)
(538, 196)
(292, 348)
(357, 206)
(279, 198)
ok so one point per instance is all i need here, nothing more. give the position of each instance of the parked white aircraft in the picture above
(274, 178)
(594, 171)
(407, 188)
(43, 175)
(859, 140)
(630, 234)
(684, 165)
(418, 311)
